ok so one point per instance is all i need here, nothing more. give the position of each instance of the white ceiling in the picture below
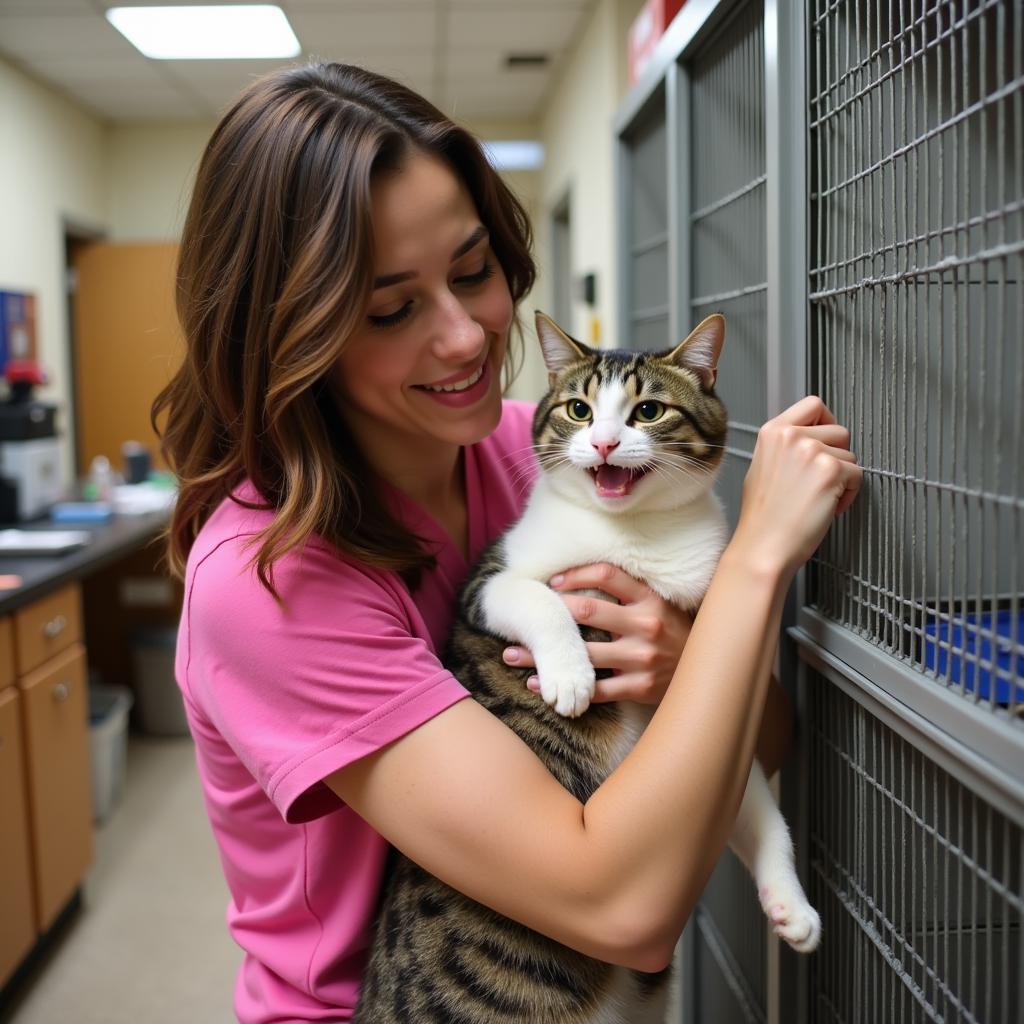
(452, 51)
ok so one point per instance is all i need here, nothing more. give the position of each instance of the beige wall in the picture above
(151, 169)
(53, 168)
(577, 128)
(132, 182)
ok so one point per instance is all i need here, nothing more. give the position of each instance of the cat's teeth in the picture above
(459, 385)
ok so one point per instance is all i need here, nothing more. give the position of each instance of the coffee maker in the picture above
(30, 476)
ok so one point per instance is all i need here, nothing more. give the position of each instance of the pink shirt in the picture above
(277, 699)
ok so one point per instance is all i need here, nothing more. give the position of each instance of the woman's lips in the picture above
(455, 378)
(468, 396)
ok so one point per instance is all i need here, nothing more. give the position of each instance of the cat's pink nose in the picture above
(604, 447)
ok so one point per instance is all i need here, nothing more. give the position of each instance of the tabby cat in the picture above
(628, 444)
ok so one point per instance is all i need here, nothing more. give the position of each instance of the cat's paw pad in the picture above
(792, 918)
(568, 692)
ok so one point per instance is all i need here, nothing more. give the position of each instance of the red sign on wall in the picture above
(648, 27)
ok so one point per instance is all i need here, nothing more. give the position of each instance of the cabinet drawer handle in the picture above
(61, 692)
(54, 627)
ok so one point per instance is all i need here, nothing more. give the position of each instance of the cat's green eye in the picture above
(648, 412)
(578, 411)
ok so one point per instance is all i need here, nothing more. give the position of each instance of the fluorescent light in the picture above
(206, 33)
(514, 154)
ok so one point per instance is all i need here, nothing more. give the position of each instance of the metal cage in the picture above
(727, 224)
(918, 880)
(917, 313)
(727, 260)
(844, 179)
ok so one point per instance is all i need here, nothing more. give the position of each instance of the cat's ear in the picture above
(701, 349)
(559, 349)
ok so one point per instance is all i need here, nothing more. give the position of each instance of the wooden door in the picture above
(127, 344)
(60, 801)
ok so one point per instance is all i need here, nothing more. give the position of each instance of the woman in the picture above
(348, 280)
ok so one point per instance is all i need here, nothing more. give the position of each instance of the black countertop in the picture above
(110, 541)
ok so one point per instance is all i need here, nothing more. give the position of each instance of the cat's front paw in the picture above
(567, 686)
(792, 918)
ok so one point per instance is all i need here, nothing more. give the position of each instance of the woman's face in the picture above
(426, 363)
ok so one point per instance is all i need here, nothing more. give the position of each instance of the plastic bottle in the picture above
(100, 484)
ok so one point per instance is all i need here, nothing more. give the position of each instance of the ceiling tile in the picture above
(140, 103)
(531, 6)
(60, 35)
(345, 36)
(221, 71)
(125, 68)
(48, 6)
(442, 48)
(509, 28)
(347, 7)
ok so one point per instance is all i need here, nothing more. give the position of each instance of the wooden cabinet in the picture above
(47, 626)
(17, 920)
(55, 717)
(45, 796)
(7, 673)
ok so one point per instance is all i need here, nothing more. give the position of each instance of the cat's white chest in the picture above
(674, 552)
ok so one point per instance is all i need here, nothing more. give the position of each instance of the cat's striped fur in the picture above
(438, 957)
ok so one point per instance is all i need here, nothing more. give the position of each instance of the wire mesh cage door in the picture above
(916, 308)
(917, 879)
(917, 312)
(725, 976)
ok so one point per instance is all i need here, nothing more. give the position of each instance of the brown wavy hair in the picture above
(274, 272)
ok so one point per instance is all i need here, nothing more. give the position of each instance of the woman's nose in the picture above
(459, 336)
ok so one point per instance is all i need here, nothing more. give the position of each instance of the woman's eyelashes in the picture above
(468, 280)
(392, 318)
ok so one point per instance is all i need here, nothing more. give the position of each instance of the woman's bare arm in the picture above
(616, 878)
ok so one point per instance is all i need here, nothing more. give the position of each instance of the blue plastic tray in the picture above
(964, 634)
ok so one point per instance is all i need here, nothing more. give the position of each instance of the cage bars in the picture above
(915, 291)
(917, 879)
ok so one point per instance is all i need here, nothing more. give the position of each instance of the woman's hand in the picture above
(801, 477)
(648, 633)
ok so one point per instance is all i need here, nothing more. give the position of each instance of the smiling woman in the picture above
(421, 377)
(327, 295)
(348, 281)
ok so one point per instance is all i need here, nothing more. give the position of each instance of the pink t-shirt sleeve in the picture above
(301, 690)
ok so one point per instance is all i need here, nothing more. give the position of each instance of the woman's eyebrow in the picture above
(474, 239)
(478, 234)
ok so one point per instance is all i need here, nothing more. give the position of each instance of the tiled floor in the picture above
(150, 944)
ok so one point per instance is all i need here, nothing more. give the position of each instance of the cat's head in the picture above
(627, 430)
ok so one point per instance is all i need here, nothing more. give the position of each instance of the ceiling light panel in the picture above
(207, 33)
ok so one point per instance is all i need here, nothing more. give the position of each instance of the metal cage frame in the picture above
(974, 742)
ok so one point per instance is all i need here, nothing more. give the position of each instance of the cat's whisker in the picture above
(669, 471)
(523, 466)
(689, 444)
(548, 462)
(683, 457)
(679, 457)
(697, 469)
(526, 453)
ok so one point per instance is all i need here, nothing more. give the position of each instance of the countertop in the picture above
(110, 541)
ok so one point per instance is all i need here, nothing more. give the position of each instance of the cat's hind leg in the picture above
(760, 838)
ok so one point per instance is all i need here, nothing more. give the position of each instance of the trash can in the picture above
(158, 702)
(108, 745)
